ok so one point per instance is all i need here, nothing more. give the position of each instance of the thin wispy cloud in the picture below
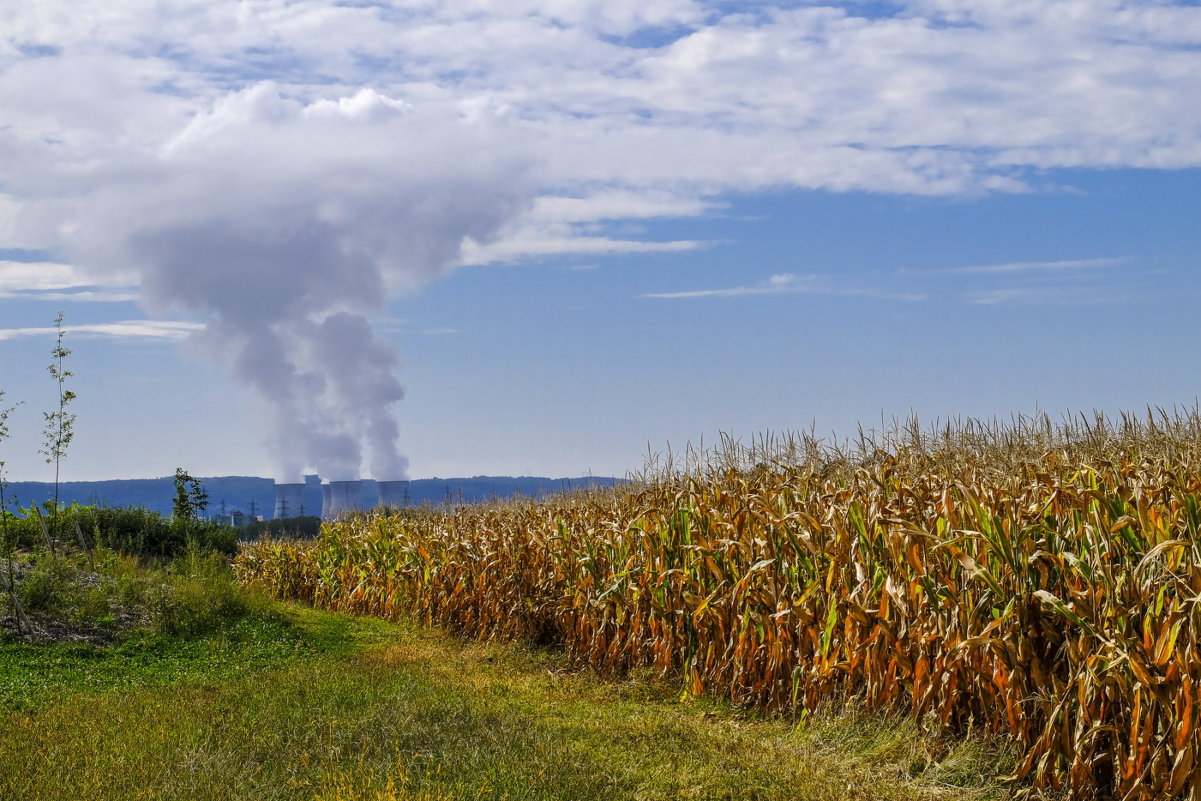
(440, 332)
(783, 284)
(80, 296)
(1043, 295)
(125, 329)
(40, 276)
(51, 281)
(1052, 281)
(532, 245)
(1067, 282)
(1062, 265)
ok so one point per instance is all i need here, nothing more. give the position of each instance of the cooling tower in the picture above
(289, 500)
(340, 497)
(393, 494)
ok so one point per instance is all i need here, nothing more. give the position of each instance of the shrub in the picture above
(146, 533)
(49, 586)
(200, 595)
(305, 528)
(72, 590)
(129, 530)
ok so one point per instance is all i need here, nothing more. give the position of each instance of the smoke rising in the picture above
(285, 225)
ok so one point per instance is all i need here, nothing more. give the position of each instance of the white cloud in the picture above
(79, 296)
(617, 205)
(535, 242)
(125, 329)
(621, 102)
(50, 281)
(23, 276)
(437, 332)
(1061, 295)
(1059, 281)
(1040, 266)
(784, 284)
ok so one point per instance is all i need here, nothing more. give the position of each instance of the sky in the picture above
(550, 237)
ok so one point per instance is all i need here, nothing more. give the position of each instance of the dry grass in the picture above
(1028, 581)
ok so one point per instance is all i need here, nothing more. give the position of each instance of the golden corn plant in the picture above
(1036, 580)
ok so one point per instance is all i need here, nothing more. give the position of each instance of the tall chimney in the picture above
(289, 500)
(393, 494)
(340, 497)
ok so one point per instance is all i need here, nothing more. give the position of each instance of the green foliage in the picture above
(200, 595)
(190, 497)
(102, 598)
(284, 528)
(128, 530)
(6, 539)
(146, 533)
(194, 595)
(49, 587)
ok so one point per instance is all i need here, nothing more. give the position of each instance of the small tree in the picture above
(190, 497)
(60, 426)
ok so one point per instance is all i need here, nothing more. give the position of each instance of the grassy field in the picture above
(304, 704)
(1034, 582)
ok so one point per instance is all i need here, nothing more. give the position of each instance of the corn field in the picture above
(1030, 579)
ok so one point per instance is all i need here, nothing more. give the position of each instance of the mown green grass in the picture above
(32, 675)
(319, 705)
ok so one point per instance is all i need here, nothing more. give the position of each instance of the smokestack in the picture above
(393, 494)
(340, 497)
(289, 500)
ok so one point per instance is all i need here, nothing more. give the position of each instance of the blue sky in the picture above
(568, 232)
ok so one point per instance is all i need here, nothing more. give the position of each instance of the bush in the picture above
(129, 530)
(145, 533)
(49, 586)
(287, 528)
(70, 589)
(191, 596)
(201, 595)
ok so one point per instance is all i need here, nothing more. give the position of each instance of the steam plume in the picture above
(285, 224)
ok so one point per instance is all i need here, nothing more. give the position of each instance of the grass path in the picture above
(370, 710)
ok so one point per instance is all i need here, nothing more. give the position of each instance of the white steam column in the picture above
(393, 494)
(340, 498)
(289, 500)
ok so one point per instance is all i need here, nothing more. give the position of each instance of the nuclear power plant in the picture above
(393, 494)
(338, 498)
(289, 500)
